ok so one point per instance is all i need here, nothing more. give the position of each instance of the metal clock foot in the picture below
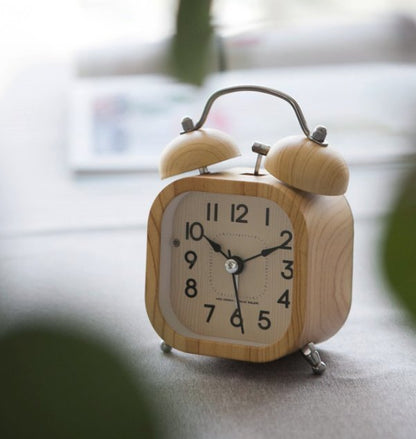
(165, 348)
(311, 355)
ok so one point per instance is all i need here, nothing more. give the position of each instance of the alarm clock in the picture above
(250, 264)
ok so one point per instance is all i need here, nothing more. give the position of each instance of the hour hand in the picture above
(215, 246)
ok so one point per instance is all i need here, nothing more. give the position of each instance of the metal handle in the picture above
(318, 136)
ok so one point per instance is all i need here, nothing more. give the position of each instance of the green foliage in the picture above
(55, 384)
(192, 44)
(399, 250)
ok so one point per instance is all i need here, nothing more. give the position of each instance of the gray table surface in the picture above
(74, 248)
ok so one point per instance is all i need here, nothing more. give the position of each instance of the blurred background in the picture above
(90, 93)
(96, 86)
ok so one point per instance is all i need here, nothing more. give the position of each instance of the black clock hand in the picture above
(264, 253)
(237, 299)
(215, 246)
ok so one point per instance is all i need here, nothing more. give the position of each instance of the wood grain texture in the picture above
(303, 164)
(329, 278)
(196, 149)
(321, 297)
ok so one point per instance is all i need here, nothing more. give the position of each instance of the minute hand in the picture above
(264, 253)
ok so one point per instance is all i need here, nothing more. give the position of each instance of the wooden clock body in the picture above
(320, 293)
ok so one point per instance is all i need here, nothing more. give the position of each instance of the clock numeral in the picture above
(285, 245)
(264, 322)
(210, 312)
(194, 231)
(190, 289)
(284, 299)
(190, 258)
(267, 215)
(241, 210)
(212, 211)
(288, 270)
(236, 320)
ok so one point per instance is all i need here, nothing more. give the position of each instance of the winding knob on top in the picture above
(306, 165)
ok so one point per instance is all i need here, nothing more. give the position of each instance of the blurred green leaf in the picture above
(399, 251)
(55, 384)
(192, 43)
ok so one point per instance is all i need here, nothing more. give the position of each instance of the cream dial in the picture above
(229, 268)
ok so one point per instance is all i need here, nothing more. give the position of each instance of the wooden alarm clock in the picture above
(244, 264)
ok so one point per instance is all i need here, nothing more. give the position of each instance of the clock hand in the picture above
(215, 246)
(237, 298)
(264, 253)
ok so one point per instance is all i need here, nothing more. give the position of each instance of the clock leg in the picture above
(311, 355)
(165, 347)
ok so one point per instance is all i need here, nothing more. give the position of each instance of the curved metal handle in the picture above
(320, 135)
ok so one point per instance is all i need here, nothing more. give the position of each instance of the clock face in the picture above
(227, 268)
